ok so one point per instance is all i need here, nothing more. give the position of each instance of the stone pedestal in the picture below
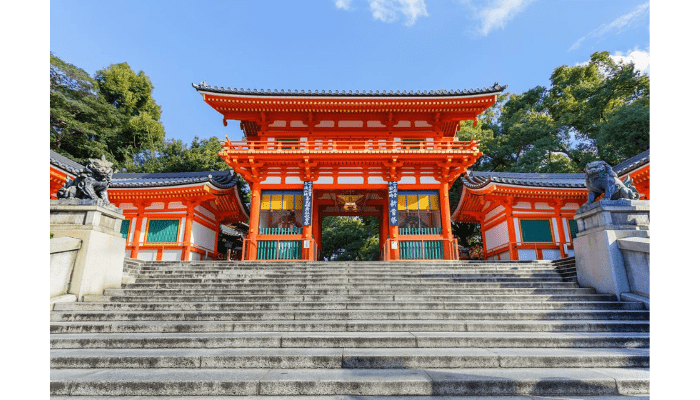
(100, 260)
(599, 261)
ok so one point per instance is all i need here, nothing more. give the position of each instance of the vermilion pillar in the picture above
(446, 221)
(511, 233)
(137, 231)
(187, 237)
(251, 251)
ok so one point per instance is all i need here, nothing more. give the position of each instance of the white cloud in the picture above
(640, 58)
(495, 14)
(388, 10)
(619, 24)
(343, 4)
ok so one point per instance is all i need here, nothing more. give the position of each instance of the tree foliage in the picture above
(112, 113)
(350, 238)
(599, 110)
(176, 156)
(82, 124)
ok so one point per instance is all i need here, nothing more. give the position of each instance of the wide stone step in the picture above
(334, 274)
(351, 358)
(296, 315)
(349, 397)
(379, 382)
(351, 326)
(344, 281)
(351, 339)
(352, 285)
(347, 292)
(257, 306)
(359, 298)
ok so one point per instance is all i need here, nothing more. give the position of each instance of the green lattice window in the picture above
(573, 228)
(163, 230)
(536, 230)
(125, 228)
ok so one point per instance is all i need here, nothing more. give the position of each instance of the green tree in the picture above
(595, 111)
(131, 94)
(350, 238)
(82, 124)
(176, 156)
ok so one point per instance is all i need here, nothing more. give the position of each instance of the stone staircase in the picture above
(362, 329)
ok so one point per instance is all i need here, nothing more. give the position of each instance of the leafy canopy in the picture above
(599, 110)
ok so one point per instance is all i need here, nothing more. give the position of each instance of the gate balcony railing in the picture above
(420, 231)
(293, 230)
(349, 146)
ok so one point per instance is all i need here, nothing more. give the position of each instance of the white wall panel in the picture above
(494, 213)
(172, 255)
(147, 255)
(205, 212)
(351, 180)
(496, 236)
(551, 254)
(527, 254)
(203, 236)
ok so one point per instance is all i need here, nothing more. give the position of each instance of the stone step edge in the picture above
(476, 381)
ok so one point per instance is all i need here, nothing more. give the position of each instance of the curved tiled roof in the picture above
(65, 163)
(632, 163)
(496, 88)
(480, 179)
(220, 179)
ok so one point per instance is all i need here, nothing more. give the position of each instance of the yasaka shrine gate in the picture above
(310, 155)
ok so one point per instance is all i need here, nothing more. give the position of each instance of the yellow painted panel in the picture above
(299, 202)
(434, 202)
(412, 200)
(265, 202)
(402, 202)
(423, 202)
(276, 200)
(288, 201)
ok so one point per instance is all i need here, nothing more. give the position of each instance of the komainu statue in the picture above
(600, 178)
(91, 183)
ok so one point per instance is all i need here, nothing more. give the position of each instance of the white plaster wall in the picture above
(522, 204)
(551, 254)
(142, 236)
(147, 255)
(555, 228)
(175, 205)
(493, 213)
(516, 228)
(292, 180)
(172, 255)
(132, 228)
(565, 224)
(497, 235)
(543, 206)
(408, 179)
(205, 212)
(570, 252)
(571, 205)
(374, 180)
(504, 256)
(324, 179)
(351, 180)
(127, 206)
(271, 180)
(203, 236)
(127, 254)
(181, 239)
(156, 206)
(194, 256)
(527, 254)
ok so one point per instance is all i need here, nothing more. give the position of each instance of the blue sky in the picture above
(339, 44)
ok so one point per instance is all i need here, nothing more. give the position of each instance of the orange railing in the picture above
(343, 146)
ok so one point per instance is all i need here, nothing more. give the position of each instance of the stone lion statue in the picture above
(91, 183)
(600, 178)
